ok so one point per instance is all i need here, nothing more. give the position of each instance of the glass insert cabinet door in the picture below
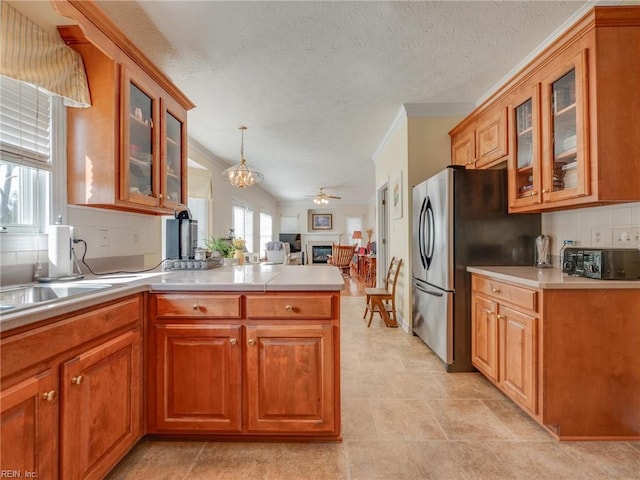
(566, 174)
(525, 168)
(173, 159)
(139, 164)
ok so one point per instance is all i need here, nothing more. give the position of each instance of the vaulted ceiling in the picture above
(318, 84)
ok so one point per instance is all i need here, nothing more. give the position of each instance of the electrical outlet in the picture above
(623, 238)
(103, 235)
(601, 237)
(136, 238)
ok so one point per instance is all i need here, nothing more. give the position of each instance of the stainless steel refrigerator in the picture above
(460, 219)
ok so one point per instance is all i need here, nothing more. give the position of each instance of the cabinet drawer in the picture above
(290, 306)
(194, 305)
(522, 297)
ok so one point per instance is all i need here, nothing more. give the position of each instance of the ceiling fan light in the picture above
(240, 175)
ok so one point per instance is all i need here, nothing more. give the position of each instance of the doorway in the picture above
(382, 208)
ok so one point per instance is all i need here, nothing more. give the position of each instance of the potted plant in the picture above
(220, 245)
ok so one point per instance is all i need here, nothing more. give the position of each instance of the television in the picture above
(293, 239)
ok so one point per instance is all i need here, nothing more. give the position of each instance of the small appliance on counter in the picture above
(182, 236)
(543, 256)
(602, 263)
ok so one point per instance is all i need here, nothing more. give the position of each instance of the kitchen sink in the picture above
(12, 298)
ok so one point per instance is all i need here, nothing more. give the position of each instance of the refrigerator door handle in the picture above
(421, 223)
(430, 246)
(430, 292)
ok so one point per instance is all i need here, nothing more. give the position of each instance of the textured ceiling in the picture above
(319, 83)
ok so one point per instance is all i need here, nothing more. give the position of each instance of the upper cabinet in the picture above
(128, 150)
(571, 118)
(482, 142)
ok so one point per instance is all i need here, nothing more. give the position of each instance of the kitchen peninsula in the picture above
(235, 352)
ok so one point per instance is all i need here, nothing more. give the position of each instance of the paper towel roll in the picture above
(60, 258)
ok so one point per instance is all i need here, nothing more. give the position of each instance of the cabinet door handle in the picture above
(251, 342)
(233, 341)
(288, 308)
(486, 310)
(196, 306)
(545, 190)
(495, 290)
(49, 396)
(77, 380)
(534, 193)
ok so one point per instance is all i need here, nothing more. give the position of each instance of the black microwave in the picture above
(602, 263)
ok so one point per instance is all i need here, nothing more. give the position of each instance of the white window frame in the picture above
(266, 230)
(50, 195)
(245, 230)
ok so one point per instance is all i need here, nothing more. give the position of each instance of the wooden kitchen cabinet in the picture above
(128, 150)
(517, 340)
(249, 364)
(463, 147)
(484, 340)
(491, 137)
(572, 119)
(290, 379)
(100, 406)
(504, 336)
(72, 406)
(567, 356)
(198, 377)
(29, 426)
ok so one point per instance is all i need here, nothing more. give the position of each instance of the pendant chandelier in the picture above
(241, 175)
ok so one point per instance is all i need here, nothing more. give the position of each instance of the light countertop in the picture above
(245, 278)
(550, 278)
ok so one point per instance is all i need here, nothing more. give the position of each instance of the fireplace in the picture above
(320, 253)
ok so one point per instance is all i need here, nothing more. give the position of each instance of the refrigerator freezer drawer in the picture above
(433, 320)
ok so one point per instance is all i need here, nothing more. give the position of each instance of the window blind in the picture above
(25, 119)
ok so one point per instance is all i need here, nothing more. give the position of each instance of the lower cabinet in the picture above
(504, 340)
(267, 367)
(100, 412)
(290, 380)
(518, 354)
(198, 377)
(71, 408)
(29, 426)
(568, 357)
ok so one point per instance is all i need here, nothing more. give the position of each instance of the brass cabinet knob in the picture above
(233, 341)
(49, 396)
(251, 341)
(486, 310)
(196, 306)
(160, 196)
(545, 190)
(495, 290)
(288, 308)
(500, 317)
(77, 380)
(534, 193)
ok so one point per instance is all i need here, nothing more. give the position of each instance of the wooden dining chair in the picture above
(383, 300)
(341, 257)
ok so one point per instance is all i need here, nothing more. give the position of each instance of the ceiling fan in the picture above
(322, 198)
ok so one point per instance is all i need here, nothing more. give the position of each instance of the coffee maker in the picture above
(182, 235)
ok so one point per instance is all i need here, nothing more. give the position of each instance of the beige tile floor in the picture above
(404, 418)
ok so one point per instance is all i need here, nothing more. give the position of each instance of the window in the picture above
(266, 230)
(25, 158)
(199, 208)
(243, 225)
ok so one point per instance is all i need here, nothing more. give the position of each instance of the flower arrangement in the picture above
(369, 232)
(238, 243)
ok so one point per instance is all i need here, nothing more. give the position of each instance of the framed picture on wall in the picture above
(396, 197)
(321, 221)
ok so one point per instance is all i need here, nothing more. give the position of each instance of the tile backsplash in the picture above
(608, 226)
